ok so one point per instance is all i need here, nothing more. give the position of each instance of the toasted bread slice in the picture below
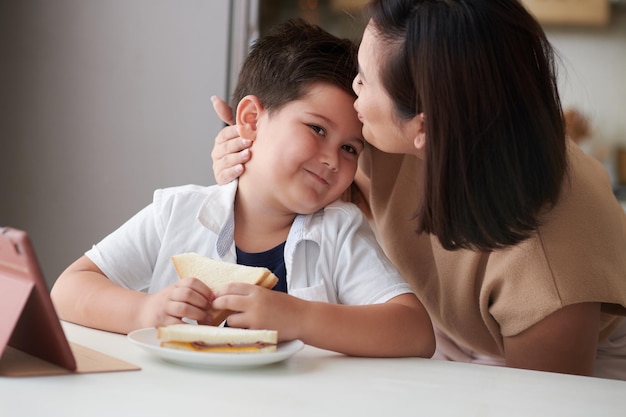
(217, 274)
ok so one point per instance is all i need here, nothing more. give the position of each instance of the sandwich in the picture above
(217, 274)
(216, 339)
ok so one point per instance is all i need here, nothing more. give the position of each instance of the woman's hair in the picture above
(484, 75)
(283, 65)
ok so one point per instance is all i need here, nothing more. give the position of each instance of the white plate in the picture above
(147, 339)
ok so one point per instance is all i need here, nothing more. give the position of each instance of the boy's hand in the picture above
(188, 297)
(259, 308)
(230, 151)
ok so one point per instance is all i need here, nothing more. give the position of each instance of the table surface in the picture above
(313, 382)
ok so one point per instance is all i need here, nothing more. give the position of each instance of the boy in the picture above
(336, 290)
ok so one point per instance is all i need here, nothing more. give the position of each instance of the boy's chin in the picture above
(315, 208)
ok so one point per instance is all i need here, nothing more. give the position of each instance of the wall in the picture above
(593, 75)
(101, 102)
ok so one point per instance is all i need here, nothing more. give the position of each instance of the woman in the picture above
(509, 234)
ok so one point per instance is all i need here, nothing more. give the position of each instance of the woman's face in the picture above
(375, 109)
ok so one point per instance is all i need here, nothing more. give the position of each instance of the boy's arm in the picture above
(400, 327)
(84, 295)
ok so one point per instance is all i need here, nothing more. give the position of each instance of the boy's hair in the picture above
(282, 66)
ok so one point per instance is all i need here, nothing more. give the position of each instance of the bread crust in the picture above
(217, 274)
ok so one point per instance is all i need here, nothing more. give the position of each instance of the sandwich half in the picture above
(217, 339)
(217, 274)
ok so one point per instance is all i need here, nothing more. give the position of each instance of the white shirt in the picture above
(330, 256)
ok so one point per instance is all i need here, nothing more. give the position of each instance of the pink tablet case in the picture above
(32, 340)
(28, 321)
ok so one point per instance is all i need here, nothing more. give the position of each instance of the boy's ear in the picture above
(249, 111)
(420, 136)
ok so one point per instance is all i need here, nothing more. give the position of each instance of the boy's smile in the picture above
(321, 177)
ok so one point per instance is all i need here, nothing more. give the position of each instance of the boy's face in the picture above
(305, 153)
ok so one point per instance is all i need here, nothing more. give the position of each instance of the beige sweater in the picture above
(578, 255)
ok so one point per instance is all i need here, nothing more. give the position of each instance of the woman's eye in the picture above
(318, 130)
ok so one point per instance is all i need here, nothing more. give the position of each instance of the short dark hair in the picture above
(282, 65)
(484, 75)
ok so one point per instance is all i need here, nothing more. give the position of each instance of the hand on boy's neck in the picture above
(223, 110)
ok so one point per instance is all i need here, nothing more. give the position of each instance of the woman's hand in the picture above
(230, 151)
(189, 298)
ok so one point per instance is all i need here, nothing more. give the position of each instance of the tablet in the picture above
(28, 320)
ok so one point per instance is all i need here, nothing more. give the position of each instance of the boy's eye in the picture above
(318, 130)
(350, 149)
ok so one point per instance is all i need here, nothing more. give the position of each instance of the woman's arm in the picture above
(400, 327)
(84, 295)
(565, 341)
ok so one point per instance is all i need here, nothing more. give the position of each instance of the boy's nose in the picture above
(330, 159)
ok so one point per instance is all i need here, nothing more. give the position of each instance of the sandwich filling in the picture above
(200, 346)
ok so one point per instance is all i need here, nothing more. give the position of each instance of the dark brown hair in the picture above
(483, 73)
(282, 65)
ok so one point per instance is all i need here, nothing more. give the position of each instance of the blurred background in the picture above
(101, 102)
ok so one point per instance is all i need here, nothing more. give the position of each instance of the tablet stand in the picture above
(13, 297)
(32, 340)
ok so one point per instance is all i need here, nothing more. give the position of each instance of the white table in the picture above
(314, 382)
